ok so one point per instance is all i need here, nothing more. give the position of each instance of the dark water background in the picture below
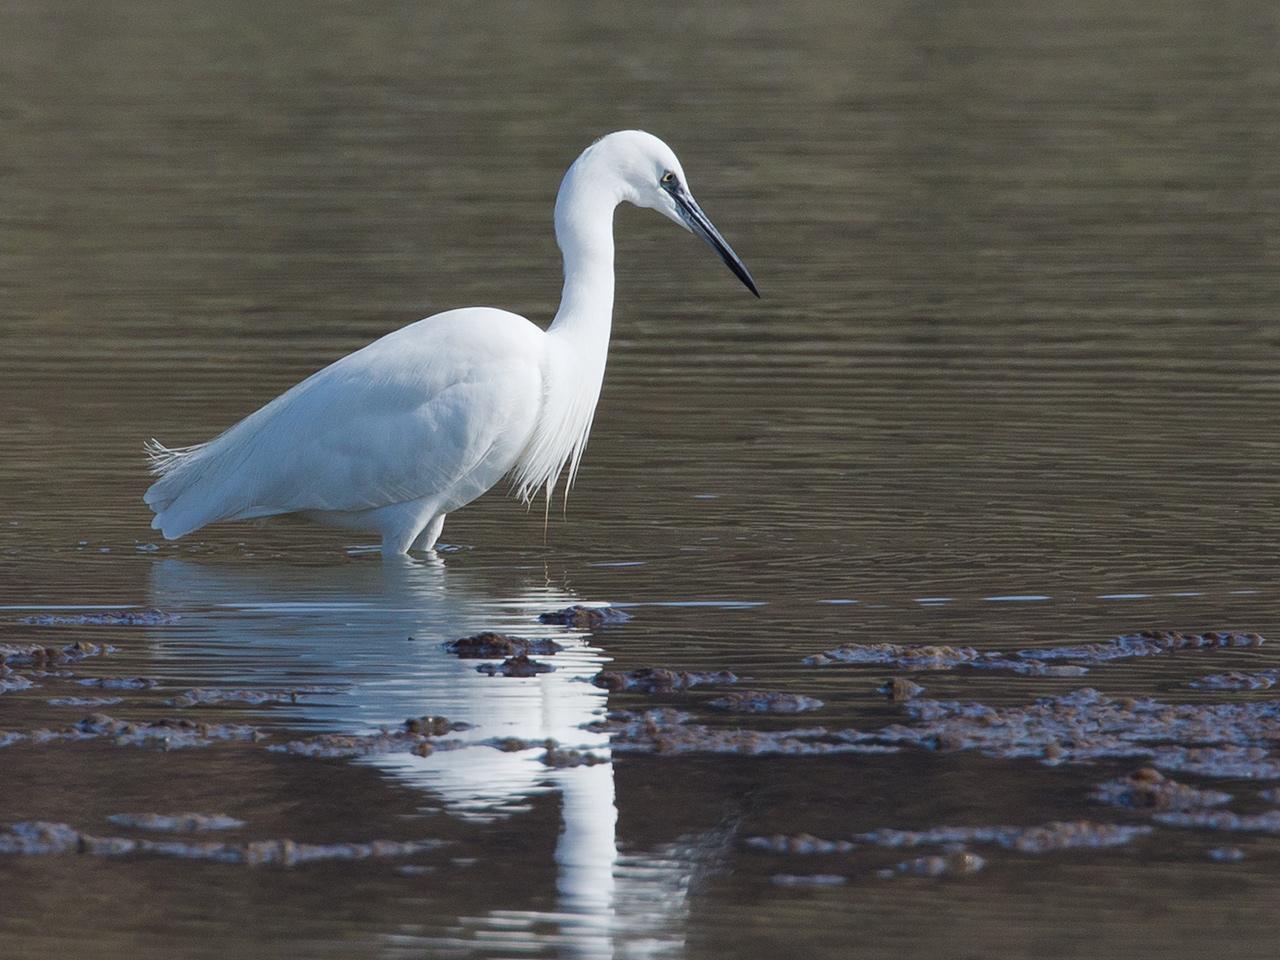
(1021, 266)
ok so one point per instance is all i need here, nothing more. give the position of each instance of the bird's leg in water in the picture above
(430, 534)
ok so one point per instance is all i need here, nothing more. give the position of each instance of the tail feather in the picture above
(164, 460)
(162, 496)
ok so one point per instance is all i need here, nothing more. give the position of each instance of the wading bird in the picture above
(391, 438)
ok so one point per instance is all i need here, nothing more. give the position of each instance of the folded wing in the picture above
(441, 408)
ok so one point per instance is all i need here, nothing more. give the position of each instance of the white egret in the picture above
(393, 437)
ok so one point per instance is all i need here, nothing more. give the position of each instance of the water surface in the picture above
(1012, 382)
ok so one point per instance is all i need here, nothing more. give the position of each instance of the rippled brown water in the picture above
(1012, 382)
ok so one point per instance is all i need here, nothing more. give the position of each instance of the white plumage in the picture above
(391, 438)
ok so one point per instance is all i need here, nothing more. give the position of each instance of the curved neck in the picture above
(584, 233)
(578, 338)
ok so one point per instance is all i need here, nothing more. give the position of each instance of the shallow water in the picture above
(1011, 384)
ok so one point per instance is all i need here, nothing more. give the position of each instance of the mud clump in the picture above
(168, 733)
(176, 823)
(1268, 822)
(1216, 740)
(554, 754)
(432, 726)
(518, 666)
(933, 657)
(416, 735)
(1039, 661)
(515, 744)
(108, 618)
(335, 746)
(1048, 838)
(1148, 789)
(808, 880)
(287, 853)
(906, 656)
(118, 683)
(1229, 762)
(659, 680)
(1045, 838)
(11, 680)
(205, 696)
(1145, 644)
(1262, 680)
(40, 838)
(899, 689)
(960, 864)
(40, 657)
(43, 661)
(498, 646)
(764, 701)
(582, 617)
(559, 757)
(1225, 854)
(84, 701)
(668, 732)
(805, 844)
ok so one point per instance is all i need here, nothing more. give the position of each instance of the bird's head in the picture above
(648, 174)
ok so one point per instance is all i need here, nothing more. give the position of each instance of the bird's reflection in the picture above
(376, 630)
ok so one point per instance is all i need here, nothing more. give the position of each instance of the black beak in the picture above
(699, 223)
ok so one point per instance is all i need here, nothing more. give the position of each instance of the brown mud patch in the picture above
(659, 680)
(937, 658)
(41, 657)
(1037, 661)
(764, 701)
(418, 735)
(42, 661)
(37, 838)
(176, 822)
(808, 880)
(1051, 837)
(209, 696)
(167, 733)
(900, 688)
(1147, 643)
(1268, 822)
(1262, 680)
(1214, 740)
(563, 758)
(518, 666)
(1225, 854)
(107, 618)
(805, 844)
(954, 859)
(118, 683)
(581, 617)
(11, 680)
(1226, 740)
(498, 646)
(963, 863)
(1149, 789)
(667, 731)
(1046, 838)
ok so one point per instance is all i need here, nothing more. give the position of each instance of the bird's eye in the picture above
(668, 178)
